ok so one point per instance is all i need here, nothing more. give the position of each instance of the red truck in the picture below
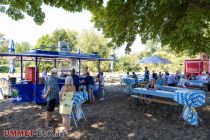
(196, 66)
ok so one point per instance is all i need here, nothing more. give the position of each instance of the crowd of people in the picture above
(73, 83)
(167, 79)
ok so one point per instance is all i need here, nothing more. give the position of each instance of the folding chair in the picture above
(74, 113)
(78, 100)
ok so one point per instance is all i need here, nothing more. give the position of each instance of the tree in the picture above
(184, 25)
(22, 47)
(89, 42)
(16, 9)
(43, 42)
(49, 41)
(3, 44)
(128, 63)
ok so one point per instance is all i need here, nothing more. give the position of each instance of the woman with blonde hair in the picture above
(66, 96)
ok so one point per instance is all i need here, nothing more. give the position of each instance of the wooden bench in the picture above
(155, 100)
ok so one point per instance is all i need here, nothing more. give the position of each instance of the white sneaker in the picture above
(102, 99)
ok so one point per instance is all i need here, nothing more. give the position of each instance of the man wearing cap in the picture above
(51, 93)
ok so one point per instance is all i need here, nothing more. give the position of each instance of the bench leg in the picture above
(136, 101)
(181, 114)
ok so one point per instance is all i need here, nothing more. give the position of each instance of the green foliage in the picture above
(45, 65)
(184, 25)
(17, 8)
(89, 42)
(22, 47)
(4, 69)
(128, 63)
(131, 62)
(3, 44)
(43, 41)
(49, 41)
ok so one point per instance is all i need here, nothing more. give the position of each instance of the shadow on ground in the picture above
(115, 118)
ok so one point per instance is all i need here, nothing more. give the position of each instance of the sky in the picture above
(26, 30)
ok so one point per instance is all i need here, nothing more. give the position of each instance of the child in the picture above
(66, 96)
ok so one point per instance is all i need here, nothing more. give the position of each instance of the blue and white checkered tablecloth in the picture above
(141, 80)
(157, 93)
(196, 83)
(199, 81)
(190, 99)
(129, 81)
(168, 88)
(80, 97)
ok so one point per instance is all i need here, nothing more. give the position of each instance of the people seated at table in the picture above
(136, 79)
(66, 96)
(154, 75)
(151, 84)
(171, 80)
(177, 76)
(75, 79)
(160, 74)
(192, 76)
(165, 77)
(182, 81)
(146, 75)
(89, 81)
(160, 80)
(127, 75)
(134, 76)
(203, 77)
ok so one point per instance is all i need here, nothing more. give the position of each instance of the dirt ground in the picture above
(115, 118)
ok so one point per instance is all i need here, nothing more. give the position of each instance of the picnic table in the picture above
(197, 83)
(188, 98)
(177, 96)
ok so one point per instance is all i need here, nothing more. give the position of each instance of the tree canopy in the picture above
(49, 41)
(87, 41)
(184, 25)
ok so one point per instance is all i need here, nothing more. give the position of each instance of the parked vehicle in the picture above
(196, 66)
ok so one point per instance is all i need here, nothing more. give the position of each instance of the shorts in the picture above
(76, 87)
(90, 87)
(51, 105)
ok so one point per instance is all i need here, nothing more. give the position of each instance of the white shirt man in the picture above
(203, 78)
(182, 82)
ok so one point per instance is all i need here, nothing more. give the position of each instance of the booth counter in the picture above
(25, 92)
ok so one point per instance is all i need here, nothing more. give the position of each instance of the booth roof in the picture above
(53, 54)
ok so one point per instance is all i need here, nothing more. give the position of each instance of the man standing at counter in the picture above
(75, 79)
(51, 93)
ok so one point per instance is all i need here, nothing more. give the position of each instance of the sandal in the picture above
(52, 120)
(47, 127)
(70, 129)
(65, 132)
